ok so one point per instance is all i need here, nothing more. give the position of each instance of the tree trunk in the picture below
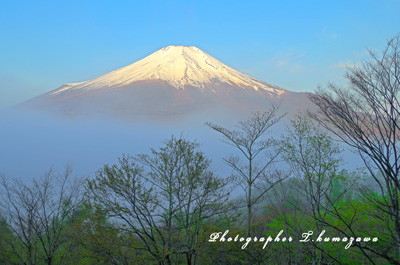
(248, 211)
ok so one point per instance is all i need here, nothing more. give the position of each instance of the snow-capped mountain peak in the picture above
(179, 66)
(172, 83)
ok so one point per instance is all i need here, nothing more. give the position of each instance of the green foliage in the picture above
(163, 199)
(162, 208)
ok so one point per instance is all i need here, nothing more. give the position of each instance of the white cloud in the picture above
(288, 62)
(345, 64)
(282, 63)
(361, 53)
(329, 35)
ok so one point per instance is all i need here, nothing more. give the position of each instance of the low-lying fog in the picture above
(31, 143)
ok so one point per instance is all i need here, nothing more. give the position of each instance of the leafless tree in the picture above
(39, 213)
(365, 115)
(258, 152)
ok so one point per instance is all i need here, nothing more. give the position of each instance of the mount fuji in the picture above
(173, 82)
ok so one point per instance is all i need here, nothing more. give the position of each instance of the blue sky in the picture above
(293, 44)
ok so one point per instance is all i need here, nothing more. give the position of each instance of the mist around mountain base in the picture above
(33, 142)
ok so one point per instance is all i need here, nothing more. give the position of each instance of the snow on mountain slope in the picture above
(179, 66)
(175, 82)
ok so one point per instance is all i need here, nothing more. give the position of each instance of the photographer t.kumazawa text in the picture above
(306, 237)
